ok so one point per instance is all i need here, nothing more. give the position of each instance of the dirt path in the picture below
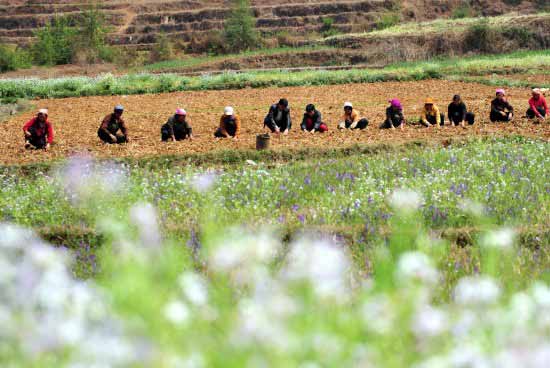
(76, 119)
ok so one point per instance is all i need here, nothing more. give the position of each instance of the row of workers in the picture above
(113, 129)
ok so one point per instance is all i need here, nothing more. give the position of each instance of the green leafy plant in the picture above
(240, 29)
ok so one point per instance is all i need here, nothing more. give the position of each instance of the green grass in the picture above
(517, 62)
(348, 189)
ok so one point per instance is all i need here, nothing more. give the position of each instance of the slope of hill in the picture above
(138, 23)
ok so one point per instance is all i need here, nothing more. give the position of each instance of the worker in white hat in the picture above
(111, 124)
(177, 127)
(230, 124)
(38, 131)
(538, 108)
(351, 119)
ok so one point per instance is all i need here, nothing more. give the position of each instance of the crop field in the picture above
(76, 120)
(416, 248)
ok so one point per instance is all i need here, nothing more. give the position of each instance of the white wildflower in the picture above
(416, 267)
(203, 182)
(144, 216)
(177, 312)
(405, 200)
(194, 288)
(501, 238)
(476, 290)
(429, 322)
(324, 265)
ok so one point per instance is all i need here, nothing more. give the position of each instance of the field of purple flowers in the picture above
(434, 257)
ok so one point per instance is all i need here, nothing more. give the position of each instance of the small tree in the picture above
(55, 42)
(240, 29)
(163, 49)
(92, 34)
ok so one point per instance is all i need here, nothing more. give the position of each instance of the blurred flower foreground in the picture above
(242, 298)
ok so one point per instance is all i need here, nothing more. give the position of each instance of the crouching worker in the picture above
(351, 119)
(501, 110)
(431, 115)
(458, 114)
(537, 106)
(394, 116)
(312, 121)
(38, 131)
(177, 128)
(230, 124)
(112, 123)
(278, 118)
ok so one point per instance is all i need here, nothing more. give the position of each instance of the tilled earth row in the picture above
(76, 120)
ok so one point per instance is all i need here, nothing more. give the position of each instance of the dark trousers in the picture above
(386, 124)
(230, 130)
(495, 116)
(361, 124)
(457, 119)
(36, 141)
(282, 125)
(531, 114)
(179, 134)
(105, 137)
(432, 120)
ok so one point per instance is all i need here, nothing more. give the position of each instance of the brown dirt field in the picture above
(76, 119)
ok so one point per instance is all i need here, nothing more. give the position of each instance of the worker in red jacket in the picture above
(538, 108)
(38, 131)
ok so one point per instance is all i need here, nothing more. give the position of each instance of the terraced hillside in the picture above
(138, 23)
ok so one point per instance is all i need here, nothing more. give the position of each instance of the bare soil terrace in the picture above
(76, 119)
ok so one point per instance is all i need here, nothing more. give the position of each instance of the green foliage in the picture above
(91, 36)
(513, 2)
(522, 35)
(163, 49)
(328, 29)
(152, 83)
(13, 58)
(481, 37)
(55, 42)
(240, 29)
(388, 19)
(464, 10)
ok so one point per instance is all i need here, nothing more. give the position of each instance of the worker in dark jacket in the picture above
(394, 116)
(177, 128)
(278, 119)
(312, 121)
(501, 110)
(111, 124)
(230, 124)
(38, 131)
(458, 114)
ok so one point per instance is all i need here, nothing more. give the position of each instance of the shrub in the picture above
(239, 30)
(464, 10)
(212, 43)
(327, 29)
(55, 42)
(13, 58)
(522, 35)
(388, 19)
(481, 37)
(91, 36)
(163, 49)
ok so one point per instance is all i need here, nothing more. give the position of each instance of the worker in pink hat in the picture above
(177, 127)
(38, 131)
(394, 116)
(538, 108)
(501, 110)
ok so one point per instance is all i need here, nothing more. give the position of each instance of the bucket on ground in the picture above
(262, 141)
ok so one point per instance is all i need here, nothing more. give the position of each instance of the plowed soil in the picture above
(76, 120)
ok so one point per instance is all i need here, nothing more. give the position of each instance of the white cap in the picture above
(228, 111)
(43, 111)
(348, 104)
